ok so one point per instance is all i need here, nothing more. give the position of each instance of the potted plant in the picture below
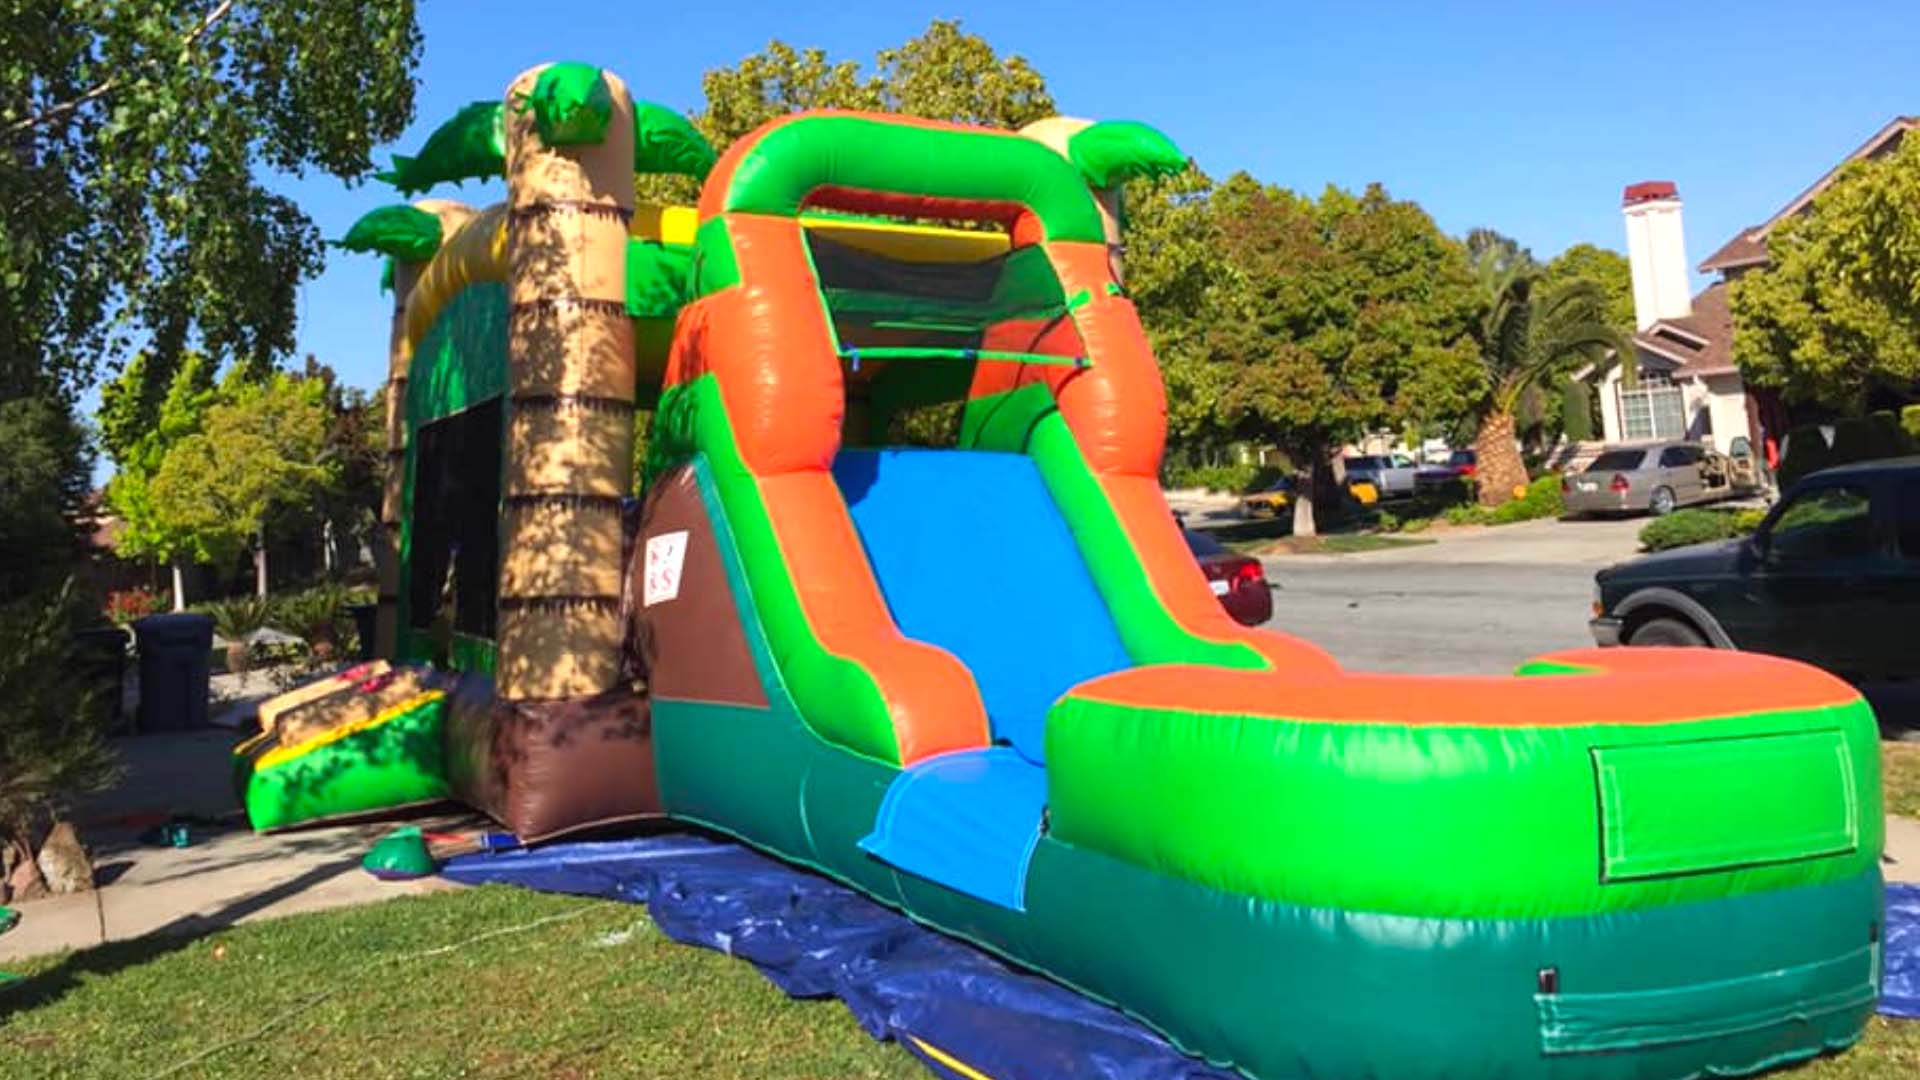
(235, 620)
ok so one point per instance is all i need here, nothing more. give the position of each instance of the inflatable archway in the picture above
(982, 681)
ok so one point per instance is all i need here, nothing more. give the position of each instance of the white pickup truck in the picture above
(1390, 474)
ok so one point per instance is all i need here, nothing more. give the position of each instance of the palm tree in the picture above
(1530, 332)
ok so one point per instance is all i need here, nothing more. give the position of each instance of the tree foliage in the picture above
(943, 74)
(44, 466)
(1531, 332)
(1607, 270)
(1329, 317)
(260, 449)
(130, 205)
(1836, 313)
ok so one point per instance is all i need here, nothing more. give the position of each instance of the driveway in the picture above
(1476, 601)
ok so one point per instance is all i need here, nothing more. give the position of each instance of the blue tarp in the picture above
(936, 996)
(813, 937)
(1900, 988)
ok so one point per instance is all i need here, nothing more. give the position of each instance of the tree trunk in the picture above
(179, 589)
(260, 564)
(1500, 468)
(1303, 506)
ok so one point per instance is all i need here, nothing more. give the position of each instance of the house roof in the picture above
(1749, 247)
(1699, 344)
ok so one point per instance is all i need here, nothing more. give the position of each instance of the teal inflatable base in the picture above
(1714, 988)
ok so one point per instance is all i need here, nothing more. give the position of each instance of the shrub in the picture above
(1415, 525)
(1910, 422)
(52, 740)
(1469, 514)
(1542, 500)
(1227, 479)
(126, 605)
(1684, 527)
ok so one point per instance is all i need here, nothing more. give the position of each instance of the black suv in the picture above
(1832, 577)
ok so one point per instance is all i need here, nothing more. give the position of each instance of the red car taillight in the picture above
(1618, 485)
(1566, 485)
(1249, 573)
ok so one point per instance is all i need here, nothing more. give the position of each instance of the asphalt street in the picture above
(1476, 602)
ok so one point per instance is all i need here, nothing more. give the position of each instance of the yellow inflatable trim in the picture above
(948, 1061)
(477, 251)
(283, 754)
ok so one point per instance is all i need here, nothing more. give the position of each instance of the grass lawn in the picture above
(598, 991)
(1900, 777)
(484, 982)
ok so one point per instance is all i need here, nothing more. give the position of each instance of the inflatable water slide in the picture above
(967, 665)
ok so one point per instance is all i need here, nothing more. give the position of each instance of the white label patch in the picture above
(666, 555)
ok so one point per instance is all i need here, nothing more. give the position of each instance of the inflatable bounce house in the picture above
(984, 682)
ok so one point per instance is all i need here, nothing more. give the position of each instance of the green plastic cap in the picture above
(400, 854)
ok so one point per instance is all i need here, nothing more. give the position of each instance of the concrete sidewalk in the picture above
(227, 875)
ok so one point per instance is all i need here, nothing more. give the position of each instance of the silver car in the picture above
(1654, 478)
(1392, 475)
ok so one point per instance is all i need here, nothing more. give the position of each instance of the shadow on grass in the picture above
(49, 986)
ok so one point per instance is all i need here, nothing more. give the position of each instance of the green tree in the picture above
(130, 201)
(44, 466)
(1608, 270)
(1836, 313)
(943, 74)
(1174, 259)
(1530, 333)
(138, 427)
(1329, 318)
(261, 450)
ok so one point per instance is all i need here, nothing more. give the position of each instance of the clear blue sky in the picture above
(1525, 116)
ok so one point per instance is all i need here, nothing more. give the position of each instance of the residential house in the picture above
(1689, 386)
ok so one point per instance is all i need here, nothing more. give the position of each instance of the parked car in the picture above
(1238, 580)
(1392, 475)
(1458, 464)
(1269, 501)
(1653, 478)
(1832, 577)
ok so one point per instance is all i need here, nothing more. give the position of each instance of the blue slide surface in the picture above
(972, 555)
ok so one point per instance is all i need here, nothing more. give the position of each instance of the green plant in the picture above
(1416, 525)
(52, 743)
(1542, 500)
(1387, 522)
(1685, 527)
(1468, 514)
(1226, 479)
(316, 614)
(238, 616)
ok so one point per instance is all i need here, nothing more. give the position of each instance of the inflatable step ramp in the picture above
(344, 748)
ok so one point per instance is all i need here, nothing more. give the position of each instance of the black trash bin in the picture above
(365, 618)
(175, 661)
(100, 654)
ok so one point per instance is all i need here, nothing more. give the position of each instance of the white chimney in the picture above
(1657, 251)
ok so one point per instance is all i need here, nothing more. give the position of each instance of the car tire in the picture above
(1667, 632)
(1662, 502)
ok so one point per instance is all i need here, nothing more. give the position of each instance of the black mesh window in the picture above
(456, 521)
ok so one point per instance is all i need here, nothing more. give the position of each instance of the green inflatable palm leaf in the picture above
(665, 142)
(571, 104)
(1114, 151)
(407, 233)
(471, 146)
